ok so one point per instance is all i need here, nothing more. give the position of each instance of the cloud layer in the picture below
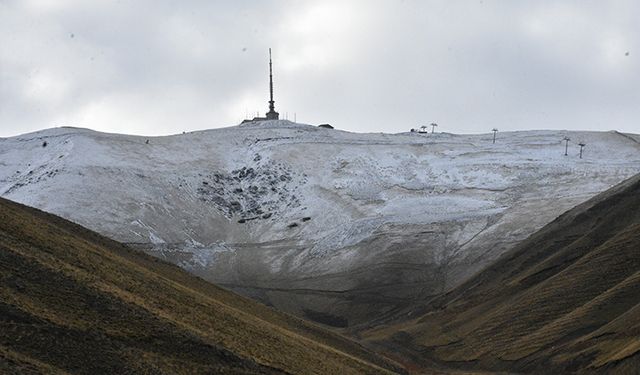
(162, 67)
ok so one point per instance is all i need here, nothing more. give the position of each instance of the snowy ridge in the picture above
(282, 205)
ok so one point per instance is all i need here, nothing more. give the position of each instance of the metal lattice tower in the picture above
(272, 114)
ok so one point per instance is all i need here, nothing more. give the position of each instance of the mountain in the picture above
(566, 300)
(72, 301)
(332, 226)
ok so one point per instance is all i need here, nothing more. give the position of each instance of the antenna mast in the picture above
(272, 114)
(271, 106)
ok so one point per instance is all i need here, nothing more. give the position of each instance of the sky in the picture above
(156, 67)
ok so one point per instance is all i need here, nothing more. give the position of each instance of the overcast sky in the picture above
(162, 67)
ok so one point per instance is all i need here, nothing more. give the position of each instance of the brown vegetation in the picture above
(566, 300)
(72, 301)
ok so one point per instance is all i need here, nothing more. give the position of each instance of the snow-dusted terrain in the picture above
(327, 224)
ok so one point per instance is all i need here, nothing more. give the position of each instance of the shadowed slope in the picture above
(567, 298)
(72, 301)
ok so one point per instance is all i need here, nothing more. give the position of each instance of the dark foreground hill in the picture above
(565, 300)
(72, 301)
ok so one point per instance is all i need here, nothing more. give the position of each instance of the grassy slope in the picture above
(567, 299)
(72, 301)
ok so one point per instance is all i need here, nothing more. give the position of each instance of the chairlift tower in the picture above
(494, 130)
(581, 144)
(433, 127)
(566, 145)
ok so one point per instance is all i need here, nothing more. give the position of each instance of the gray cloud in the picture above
(161, 67)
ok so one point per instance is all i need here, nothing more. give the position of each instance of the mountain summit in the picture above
(333, 226)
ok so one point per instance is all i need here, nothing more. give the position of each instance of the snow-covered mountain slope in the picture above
(331, 225)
